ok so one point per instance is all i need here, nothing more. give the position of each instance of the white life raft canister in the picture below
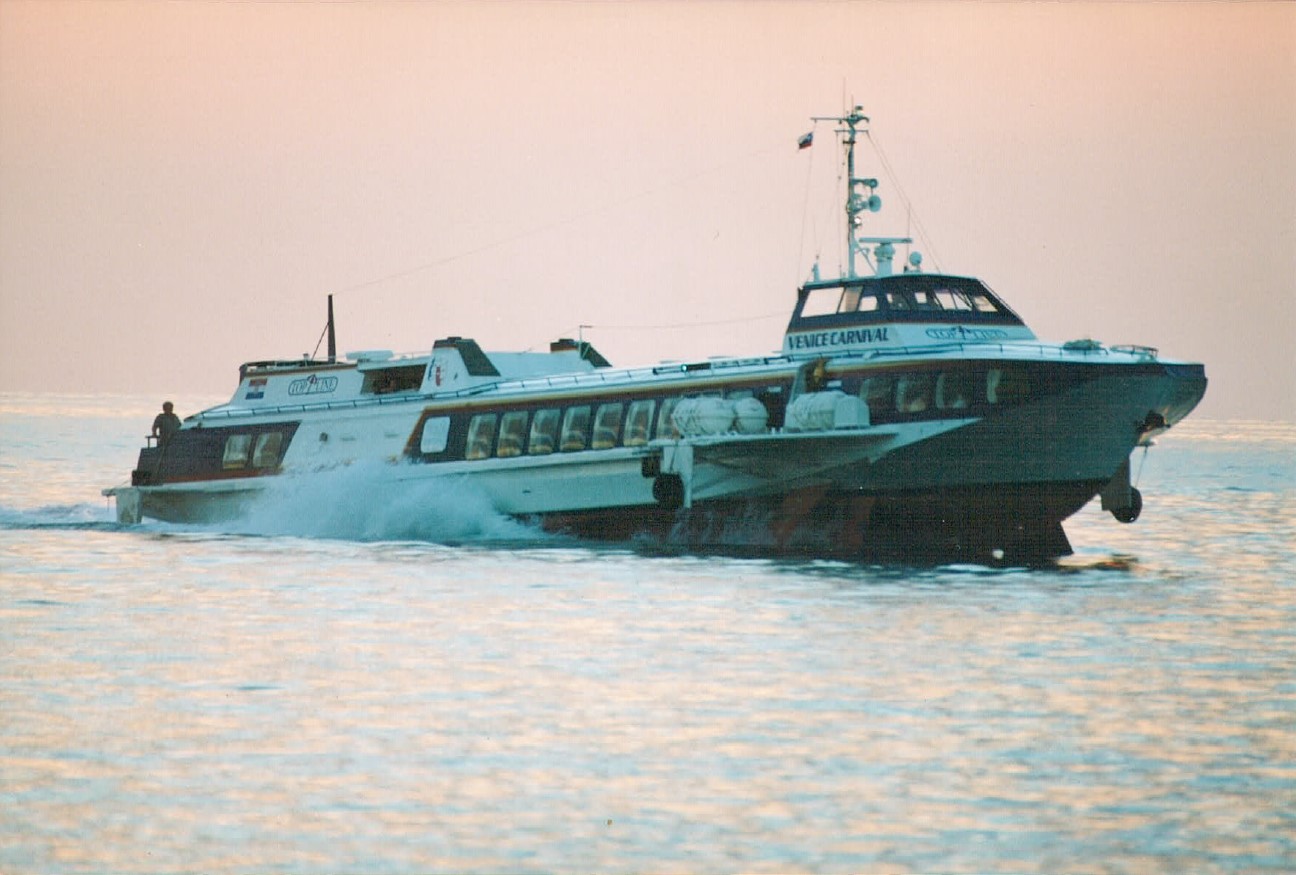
(750, 416)
(703, 416)
(821, 411)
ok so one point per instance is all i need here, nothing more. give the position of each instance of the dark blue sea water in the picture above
(338, 686)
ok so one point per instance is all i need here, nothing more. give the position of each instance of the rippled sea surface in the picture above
(341, 687)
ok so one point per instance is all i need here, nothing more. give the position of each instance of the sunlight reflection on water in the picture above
(198, 700)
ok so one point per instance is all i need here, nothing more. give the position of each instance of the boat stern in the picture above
(129, 503)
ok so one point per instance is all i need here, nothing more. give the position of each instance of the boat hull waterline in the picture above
(996, 487)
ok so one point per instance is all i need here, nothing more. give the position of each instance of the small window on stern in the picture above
(236, 451)
(266, 453)
(436, 435)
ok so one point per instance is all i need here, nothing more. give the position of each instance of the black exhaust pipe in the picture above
(332, 339)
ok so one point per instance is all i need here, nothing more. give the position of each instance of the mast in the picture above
(853, 199)
(861, 197)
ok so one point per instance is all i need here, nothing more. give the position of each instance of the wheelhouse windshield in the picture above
(913, 297)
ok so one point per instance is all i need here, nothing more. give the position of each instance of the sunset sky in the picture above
(182, 184)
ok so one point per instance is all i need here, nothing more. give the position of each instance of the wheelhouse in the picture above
(900, 298)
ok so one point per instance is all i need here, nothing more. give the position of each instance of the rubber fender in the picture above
(668, 491)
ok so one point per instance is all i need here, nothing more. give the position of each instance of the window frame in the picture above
(480, 446)
(435, 436)
(605, 436)
(878, 393)
(575, 438)
(1015, 391)
(638, 440)
(962, 380)
(237, 451)
(915, 393)
(267, 450)
(544, 424)
(505, 439)
(665, 423)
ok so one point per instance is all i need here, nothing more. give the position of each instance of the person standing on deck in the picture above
(165, 424)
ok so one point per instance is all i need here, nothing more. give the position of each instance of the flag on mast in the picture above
(806, 141)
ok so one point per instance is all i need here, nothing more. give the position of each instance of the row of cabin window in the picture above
(568, 430)
(944, 390)
(264, 454)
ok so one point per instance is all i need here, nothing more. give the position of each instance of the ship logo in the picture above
(958, 332)
(312, 385)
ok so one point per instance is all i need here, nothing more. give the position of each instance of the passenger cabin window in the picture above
(266, 452)
(1007, 385)
(575, 430)
(944, 394)
(638, 423)
(878, 393)
(481, 436)
(544, 432)
(436, 434)
(954, 390)
(665, 424)
(236, 451)
(513, 430)
(607, 426)
(914, 393)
